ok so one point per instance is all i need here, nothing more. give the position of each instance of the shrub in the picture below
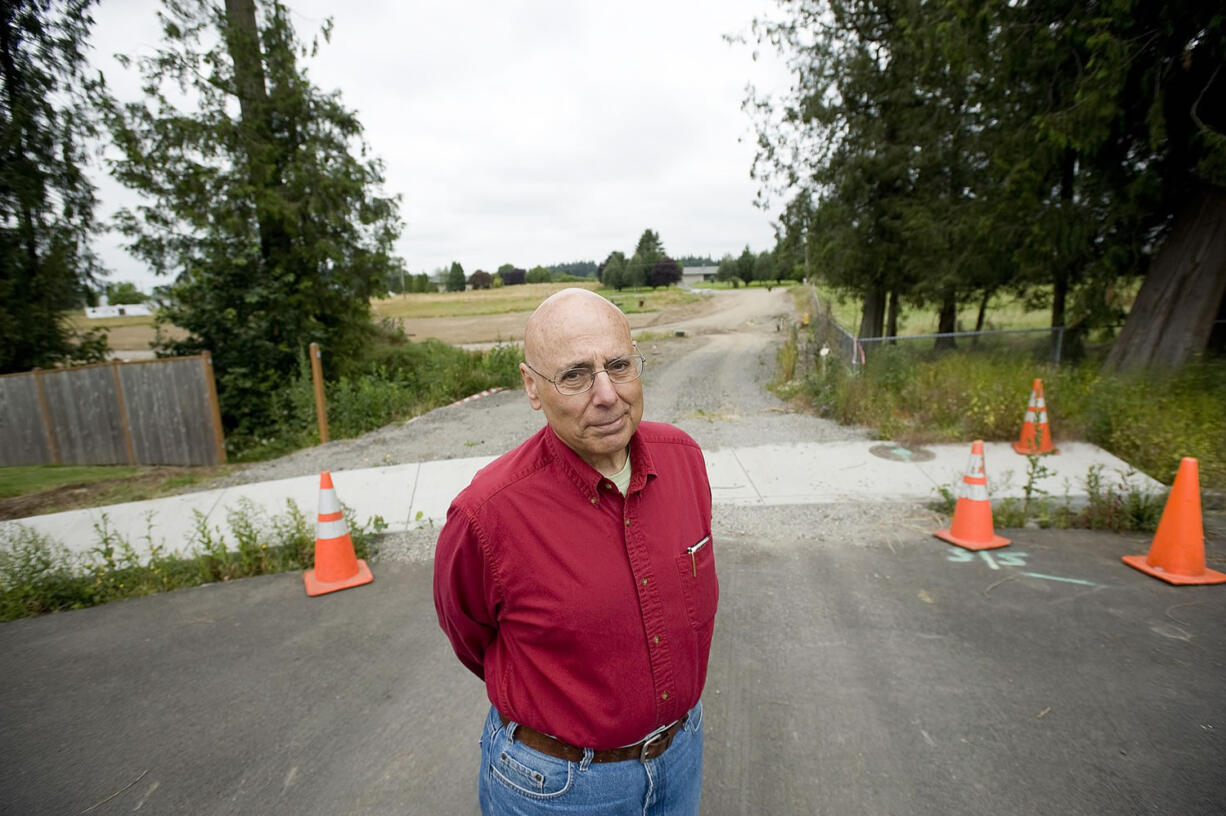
(39, 575)
(397, 380)
(1149, 419)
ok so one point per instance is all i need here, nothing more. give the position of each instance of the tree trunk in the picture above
(243, 43)
(1217, 338)
(1175, 309)
(1059, 297)
(982, 316)
(947, 320)
(891, 322)
(983, 310)
(872, 317)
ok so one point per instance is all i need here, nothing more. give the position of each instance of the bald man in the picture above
(576, 577)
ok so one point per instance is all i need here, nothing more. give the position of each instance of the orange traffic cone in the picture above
(336, 566)
(972, 525)
(1177, 555)
(1036, 433)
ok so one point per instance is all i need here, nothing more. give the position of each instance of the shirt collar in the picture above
(588, 478)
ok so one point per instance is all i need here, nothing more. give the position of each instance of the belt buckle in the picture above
(650, 741)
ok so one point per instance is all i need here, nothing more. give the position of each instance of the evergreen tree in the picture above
(456, 280)
(46, 201)
(764, 267)
(941, 151)
(745, 265)
(260, 201)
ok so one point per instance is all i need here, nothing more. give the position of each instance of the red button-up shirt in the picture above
(588, 614)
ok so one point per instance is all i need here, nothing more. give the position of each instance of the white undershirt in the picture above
(622, 478)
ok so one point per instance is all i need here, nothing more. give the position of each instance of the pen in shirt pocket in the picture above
(695, 549)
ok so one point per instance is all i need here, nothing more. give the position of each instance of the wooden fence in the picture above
(147, 412)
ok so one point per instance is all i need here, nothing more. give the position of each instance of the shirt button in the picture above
(594, 499)
(627, 522)
(644, 582)
(656, 640)
(664, 696)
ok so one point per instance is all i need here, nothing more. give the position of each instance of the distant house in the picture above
(127, 310)
(692, 275)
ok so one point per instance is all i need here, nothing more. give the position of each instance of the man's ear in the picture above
(534, 398)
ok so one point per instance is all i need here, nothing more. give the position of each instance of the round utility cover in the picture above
(901, 453)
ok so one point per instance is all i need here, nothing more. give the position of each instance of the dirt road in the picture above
(711, 382)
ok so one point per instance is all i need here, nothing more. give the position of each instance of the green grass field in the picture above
(1005, 311)
(522, 298)
(18, 481)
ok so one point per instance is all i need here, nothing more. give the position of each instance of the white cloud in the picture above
(531, 132)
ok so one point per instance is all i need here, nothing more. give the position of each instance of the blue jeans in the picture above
(518, 781)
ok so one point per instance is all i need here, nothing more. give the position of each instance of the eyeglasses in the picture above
(581, 378)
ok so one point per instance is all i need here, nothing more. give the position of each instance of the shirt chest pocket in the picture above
(699, 586)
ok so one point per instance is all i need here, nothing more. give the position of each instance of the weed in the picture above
(785, 358)
(1150, 419)
(1035, 470)
(1121, 507)
(398, 380)
(39, 575)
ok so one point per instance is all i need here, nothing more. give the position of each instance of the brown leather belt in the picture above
(649, 748)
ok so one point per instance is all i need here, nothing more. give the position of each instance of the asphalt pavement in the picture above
(896, 675)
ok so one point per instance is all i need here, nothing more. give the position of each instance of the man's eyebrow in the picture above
(589, 365)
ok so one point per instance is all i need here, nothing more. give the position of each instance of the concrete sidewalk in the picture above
(416, 494)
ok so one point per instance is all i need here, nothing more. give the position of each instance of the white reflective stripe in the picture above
(1041, 403)
(974, 465)
(331, 529)
(1043, 418)
(975, 492)
(328, 502)
(1029, 416)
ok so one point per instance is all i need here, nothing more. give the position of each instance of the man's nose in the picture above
(603, 390)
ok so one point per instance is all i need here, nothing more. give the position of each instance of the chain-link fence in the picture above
(828, 338)
(1044, 345)
(826, 334)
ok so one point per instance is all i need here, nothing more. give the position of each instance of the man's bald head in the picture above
(565, 311)
(577, 330)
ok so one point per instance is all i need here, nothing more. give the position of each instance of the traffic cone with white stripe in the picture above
(1036, 433)
(972, 524)
(336, 565)
(1177, 554)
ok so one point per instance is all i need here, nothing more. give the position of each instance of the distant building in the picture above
(692, 275)
(127, 310)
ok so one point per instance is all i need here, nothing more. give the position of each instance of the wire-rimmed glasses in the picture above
(579, 379)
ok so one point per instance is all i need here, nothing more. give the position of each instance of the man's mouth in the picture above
(612, 424)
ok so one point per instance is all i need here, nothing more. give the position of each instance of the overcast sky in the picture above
(527, 132)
